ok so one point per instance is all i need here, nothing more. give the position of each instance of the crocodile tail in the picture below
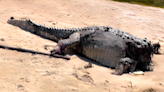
(53, 34)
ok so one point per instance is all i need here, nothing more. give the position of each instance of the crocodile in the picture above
(103, 44)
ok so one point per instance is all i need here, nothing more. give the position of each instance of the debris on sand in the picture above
(149, 90)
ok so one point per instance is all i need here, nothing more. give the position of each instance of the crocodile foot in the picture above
(124, 64)
(58, 51)
(119, 70)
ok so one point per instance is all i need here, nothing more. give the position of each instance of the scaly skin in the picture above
(105, 45)
(54, 34)
(104, 48)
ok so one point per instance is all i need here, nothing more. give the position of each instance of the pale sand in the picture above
(26, 73)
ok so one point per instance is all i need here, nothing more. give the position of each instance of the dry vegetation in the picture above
(156, 3)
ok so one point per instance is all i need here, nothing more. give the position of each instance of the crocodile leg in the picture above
(73, 39)
(125, 63)
(132, 66)
(62, 44)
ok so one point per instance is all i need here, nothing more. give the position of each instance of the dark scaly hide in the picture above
(105, 45)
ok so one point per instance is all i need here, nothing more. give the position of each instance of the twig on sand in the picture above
(34, 52)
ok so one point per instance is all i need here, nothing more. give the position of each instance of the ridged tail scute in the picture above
(54, 34)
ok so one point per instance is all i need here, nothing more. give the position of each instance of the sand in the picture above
(25, 72)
